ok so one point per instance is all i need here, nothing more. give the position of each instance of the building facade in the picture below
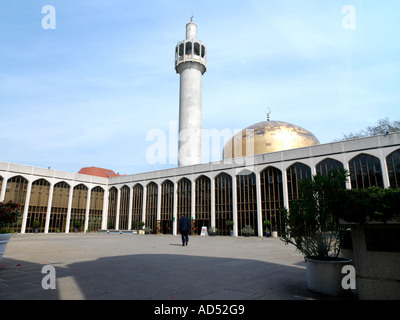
(245, 190)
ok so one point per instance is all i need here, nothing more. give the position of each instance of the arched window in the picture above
(271, 196)
(246, 202)
(137, 206)
(197, 48)
(188, 48)
(96, 209)
(202, 204)
(326, 166)
(151, 207)
(167, 207)
(223, 203)
(124, 208)
(112, 208)
(16, 189)
(203, 51)
(184, 198)
(393, 165)
(295, 173)
(38, 205)
(365, 172)
(59, 207)
(181, 50)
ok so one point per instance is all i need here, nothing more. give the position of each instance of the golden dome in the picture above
(266, 137)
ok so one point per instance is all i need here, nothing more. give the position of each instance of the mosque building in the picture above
(258, 174)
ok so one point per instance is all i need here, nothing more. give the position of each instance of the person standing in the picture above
(184, 228)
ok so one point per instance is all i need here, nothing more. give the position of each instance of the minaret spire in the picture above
(191, 64)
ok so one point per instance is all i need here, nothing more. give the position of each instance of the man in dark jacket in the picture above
(184, 228)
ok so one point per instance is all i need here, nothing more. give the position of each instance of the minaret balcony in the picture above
(190, 51)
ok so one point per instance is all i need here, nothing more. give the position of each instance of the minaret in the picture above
(191, 64)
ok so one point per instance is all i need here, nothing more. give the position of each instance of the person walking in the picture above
(184, 228)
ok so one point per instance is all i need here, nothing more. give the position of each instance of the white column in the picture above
(116, 227)
(158, 219)
(105, 211)
(212, 202)
(144, 205)
(130, 208)
(385, 173)
(89, 196)
(193, 201)
(285, 189)
(71, 194)
(48, 213)
(258, 202)
(175, 210)
(3, 188)
(26, 206)
(234, 206)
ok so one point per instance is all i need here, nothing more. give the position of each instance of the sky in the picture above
(93, 83)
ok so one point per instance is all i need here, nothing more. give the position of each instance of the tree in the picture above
(383, 126)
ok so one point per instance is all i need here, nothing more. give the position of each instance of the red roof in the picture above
(98, 172)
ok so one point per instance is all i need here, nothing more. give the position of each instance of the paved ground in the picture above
(134, 267)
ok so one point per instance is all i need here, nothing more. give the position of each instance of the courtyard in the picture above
(98, 266)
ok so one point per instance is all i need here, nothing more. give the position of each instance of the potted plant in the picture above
(110, 225)
(77, 225)
(313, 227)
(9, 214)
(229, 224)
(147, 230)
(212, 231)
(267, 224)
(36, 226)
(141, 227)
(248, 231)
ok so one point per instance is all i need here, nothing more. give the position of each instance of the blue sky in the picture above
(88, 92)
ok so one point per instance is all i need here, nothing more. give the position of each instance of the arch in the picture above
(271, 197)
(188, 48)
(196, 49)
(297, 172)
(59, 207)
(96, 208)
(16, 191)
(151, 207)
(393, 166)
(202, 204)
(244, 172)
(365, 171)
(223, 203)
(246, 202)
(38, 203)
(184, 198)
(203, 51)
(124, 208)
(137, 206)
(167, 207)
(78, 210)
(181, 51)
(327, 165)
(98, 188)
(112, 208)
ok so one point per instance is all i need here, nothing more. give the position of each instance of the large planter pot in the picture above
(325, 277)
(4, 238)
